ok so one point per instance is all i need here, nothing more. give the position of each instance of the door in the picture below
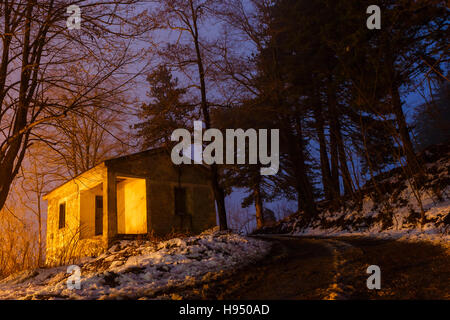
(181, 210)
(98, 215)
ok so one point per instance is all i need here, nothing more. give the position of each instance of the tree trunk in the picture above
(258, 206)
(305, 195)
(324, 162)
(345, 173)
(39, 230)
(407, 145)
(219, 194)
(12, 156)
(334, 128)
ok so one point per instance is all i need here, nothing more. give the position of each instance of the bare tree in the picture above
(17, 248)
(48, 71)
(86, 137)
(189, 18)
(34, 187)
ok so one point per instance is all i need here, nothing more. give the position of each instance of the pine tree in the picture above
(168, 110)
(432, 120)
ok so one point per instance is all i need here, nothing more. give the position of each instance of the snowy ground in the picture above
(134, 270)
(401, 229)
(395, 214)
(432, 235)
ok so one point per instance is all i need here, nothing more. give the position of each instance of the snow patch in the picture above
(132, 269)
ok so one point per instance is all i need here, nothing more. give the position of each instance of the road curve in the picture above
(335, 268)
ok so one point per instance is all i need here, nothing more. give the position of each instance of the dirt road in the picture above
(335, 268)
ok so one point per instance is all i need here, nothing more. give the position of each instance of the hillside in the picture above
(132, 269)
(387, 206)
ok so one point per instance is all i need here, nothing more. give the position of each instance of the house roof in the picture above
(115, 159)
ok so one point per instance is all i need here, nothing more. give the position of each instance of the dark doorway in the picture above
(98, 215)
(180, 201)
(185, 219)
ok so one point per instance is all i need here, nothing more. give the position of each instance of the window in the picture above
(180, 201)
(62, 215)
(98, 215)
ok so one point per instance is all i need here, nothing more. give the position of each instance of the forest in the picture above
(350, 102)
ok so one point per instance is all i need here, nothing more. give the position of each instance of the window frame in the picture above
(100, 231)
(62, 216)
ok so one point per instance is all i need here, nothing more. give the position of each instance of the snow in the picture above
(398, 217)
(401, 231)
(132, 269)
(401, 228)
(407, 235)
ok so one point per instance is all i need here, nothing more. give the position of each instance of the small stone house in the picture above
(126, 198)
